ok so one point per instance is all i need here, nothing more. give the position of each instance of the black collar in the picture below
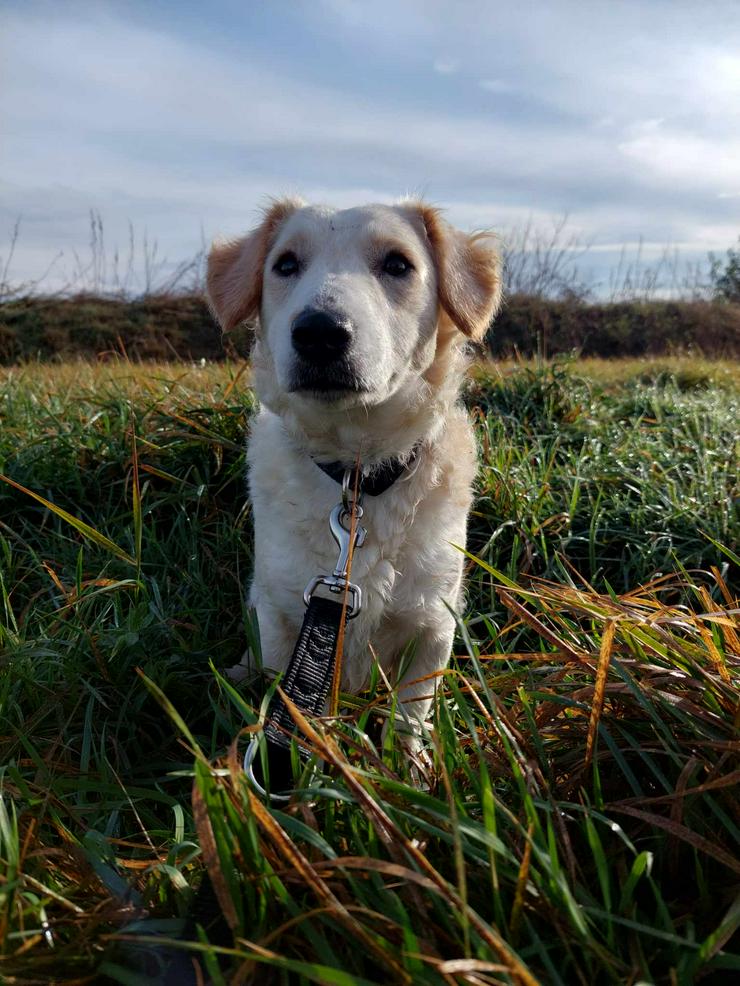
(380, 479)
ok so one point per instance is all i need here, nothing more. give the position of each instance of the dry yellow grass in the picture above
(215, 380)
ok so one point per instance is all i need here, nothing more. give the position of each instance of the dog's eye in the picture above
(286, 264)
(396, 264)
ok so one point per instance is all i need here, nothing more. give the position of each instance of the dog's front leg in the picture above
(277, 636)
(418, 687)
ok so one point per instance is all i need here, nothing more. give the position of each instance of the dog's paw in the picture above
(419, 756)
(408, 738)
(238, 672)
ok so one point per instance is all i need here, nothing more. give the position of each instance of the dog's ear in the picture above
(235, 267)
(468, 272)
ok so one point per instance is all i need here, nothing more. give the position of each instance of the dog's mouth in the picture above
(332, 382)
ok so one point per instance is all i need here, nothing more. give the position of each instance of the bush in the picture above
(531, 326)
(725, 281)
(170, 327)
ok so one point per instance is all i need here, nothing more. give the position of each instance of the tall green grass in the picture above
(577, 820)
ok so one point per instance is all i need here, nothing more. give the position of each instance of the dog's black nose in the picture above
(319, 337)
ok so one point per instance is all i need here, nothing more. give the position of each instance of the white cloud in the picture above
(446, 66)
(644, 127)
(496, 85)
(685, 160)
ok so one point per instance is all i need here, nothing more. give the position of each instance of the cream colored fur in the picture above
(407, 351)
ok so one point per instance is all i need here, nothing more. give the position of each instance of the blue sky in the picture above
(182, 118)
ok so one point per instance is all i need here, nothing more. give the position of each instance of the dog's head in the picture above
(349, 301)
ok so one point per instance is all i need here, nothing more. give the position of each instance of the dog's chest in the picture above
(407, 565)
(294, 540)
(292, 500)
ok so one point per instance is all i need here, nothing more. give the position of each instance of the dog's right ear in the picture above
(234, 275)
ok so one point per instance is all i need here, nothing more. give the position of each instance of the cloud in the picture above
(176, 128)
(446, 66)
(496, 85)
(684, 160)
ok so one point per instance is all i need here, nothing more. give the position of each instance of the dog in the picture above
(362, 320)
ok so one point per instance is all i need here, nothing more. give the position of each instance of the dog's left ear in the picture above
(468, 271)
(235, 268)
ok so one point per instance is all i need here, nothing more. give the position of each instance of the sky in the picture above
(180, 120)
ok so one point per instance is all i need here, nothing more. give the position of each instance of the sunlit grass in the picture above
(579, 819)
(687, 372)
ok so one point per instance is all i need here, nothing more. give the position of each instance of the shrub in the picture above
(725, 280)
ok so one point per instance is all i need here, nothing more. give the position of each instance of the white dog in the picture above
(363, 318)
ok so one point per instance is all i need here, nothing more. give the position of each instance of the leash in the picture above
(311, 671)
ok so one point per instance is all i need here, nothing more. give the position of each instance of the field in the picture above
(580, 822)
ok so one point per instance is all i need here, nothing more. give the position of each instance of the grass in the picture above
(580, 822)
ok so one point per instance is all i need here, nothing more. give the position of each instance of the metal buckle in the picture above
(336, 585)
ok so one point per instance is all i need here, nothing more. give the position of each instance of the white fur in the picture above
(408, 353)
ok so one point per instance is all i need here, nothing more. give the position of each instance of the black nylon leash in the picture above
(311, 669)
(308, 678)
(307, 681)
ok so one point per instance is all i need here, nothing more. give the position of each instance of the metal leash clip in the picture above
(340, 523)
